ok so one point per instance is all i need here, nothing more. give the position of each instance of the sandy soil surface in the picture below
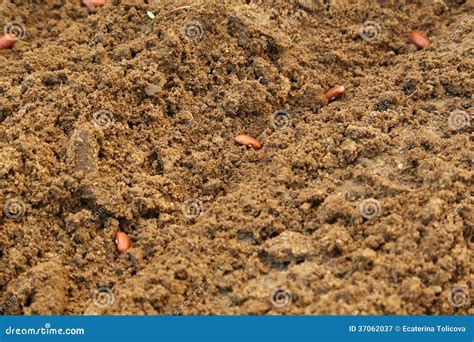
(112, 119)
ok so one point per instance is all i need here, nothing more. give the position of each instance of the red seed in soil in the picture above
(419, 40)
(247, 140)
(94, 3)
(7, 41)
(122, 241)
(335, 93)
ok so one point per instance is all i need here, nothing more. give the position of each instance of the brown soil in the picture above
(111, 120)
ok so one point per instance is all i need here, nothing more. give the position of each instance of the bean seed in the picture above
(335, 93)
(419, 40)
(122, 241)
(94, 3)
(7, 41)
(247, 140)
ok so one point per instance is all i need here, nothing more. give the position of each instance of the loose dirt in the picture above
(112, 120)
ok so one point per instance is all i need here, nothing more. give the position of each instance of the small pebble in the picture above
(419, 40)
(152, 89)
(248, 141)
(77, 261)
